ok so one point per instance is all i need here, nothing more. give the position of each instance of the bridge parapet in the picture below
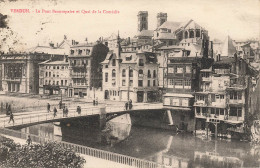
(96, 110)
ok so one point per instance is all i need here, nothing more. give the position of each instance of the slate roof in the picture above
(145, 33)
(173, 26)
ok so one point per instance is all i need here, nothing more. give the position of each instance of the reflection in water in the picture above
(165, 147)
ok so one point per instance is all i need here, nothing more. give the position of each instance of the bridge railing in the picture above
(135, 107)
(110, 156)
(72, 113)
(48, 116)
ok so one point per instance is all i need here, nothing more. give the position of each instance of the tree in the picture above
(50, 154)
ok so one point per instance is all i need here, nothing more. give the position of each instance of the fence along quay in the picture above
(97, 153)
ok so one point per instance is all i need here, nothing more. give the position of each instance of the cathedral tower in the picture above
(161, 18)
(142, 20)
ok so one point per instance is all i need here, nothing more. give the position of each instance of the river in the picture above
(162, 146)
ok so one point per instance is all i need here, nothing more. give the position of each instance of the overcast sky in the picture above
(238, 18)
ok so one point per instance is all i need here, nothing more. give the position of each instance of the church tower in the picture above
(142, 20)
(161, 18)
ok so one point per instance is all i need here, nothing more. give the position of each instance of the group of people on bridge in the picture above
(128, 105)
(64, 109)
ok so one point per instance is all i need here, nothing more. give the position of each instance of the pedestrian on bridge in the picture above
(79, 110)
(48, 107)
(66, 111)
(11, 117)
(60, 104)
(29, 140)
(55, 112)
(130, 104)
(126, 106)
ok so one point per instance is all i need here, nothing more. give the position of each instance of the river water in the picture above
(162, 146)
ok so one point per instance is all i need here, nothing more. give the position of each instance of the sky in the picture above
(238, 18)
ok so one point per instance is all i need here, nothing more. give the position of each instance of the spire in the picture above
(118, 46)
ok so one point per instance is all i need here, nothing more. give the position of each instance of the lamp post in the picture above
(128, 89)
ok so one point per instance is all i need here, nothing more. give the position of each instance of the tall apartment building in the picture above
(225, 95)
(130, 75)
(54, 78)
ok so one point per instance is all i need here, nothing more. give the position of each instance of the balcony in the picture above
(201, 115)
(234, 119)
(200, 103)
(236, 101)
(205, 79)
(220, 104)
(75, 75)
(14, 79)
(78, 65)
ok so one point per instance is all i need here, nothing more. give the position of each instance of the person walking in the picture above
(130, 104)
(79, 110)
(126, 106)
(48, 107)
(60, 105)
(55, 112)
(11, 117)
(29, 140)
(67, 111)
(64, 111)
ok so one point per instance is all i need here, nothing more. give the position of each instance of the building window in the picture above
(179, 69)
(234, 95)
(154, 73)
(114, 62)
(65, 82)
(235, 111)
(57, 82)
(188, 69)
(46, 74)
(123, 73)
(131, 83)
(187, 83)
(61, 82)
(141, 62)
(171, 82)
(106, 77)
(186, 35)
(113, 73)
(197, 33)
(106, 66)
(53, 75)
(46, 82)
(170, 70)
(49, 74)
(178, 82)
(130, 73)
(149, 74)
(140, 83)
(148, 83)
(191, 34)
(54, 67)
(154, 83)
(123, 82)
(140, 73)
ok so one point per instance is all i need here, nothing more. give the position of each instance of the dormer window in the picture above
(114, 62)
